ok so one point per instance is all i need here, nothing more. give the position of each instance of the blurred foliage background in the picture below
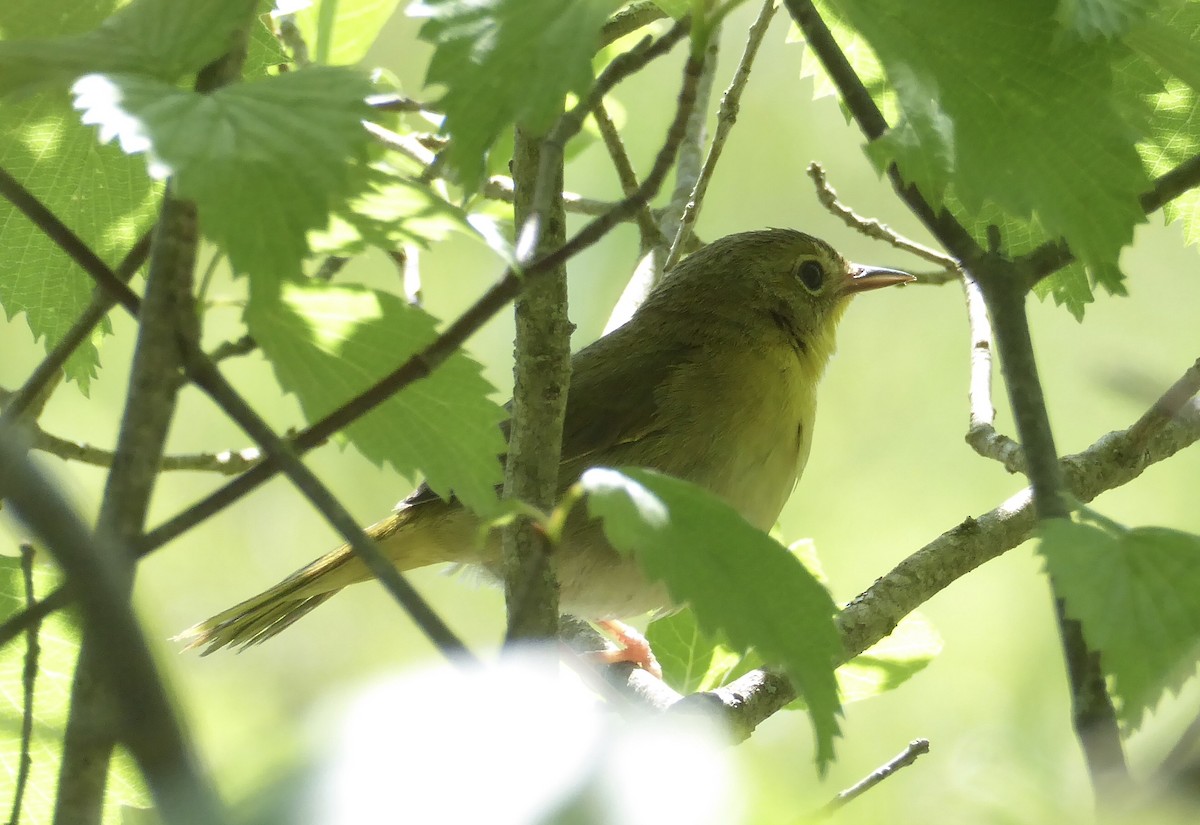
(889, 471)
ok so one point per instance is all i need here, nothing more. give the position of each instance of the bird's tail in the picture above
(261, 617)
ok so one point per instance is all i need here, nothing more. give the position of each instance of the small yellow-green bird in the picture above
(713, 380)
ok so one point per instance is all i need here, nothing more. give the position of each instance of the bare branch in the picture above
(915, 750)
(630, 19)
(879, 231)
(981, 432)
(726, 116)
(651, 235)
(28, 680)
(229, 463)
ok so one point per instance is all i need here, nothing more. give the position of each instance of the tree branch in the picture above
(148, 724)
(168, 312)
(541, 375)
(915, 750)
(726, 116)
(28, 679)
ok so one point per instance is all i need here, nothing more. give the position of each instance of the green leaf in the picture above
(1174, 130)
(1137, 595)
(504, 62)
(1032, 116)
(675, 8)
(395, 210)
(163, 39)
(692, 661)
(102, 195)
(738, 581)
(265, 162)
(58, 643)
(1090, 19)
(329, 343)
(891, 661)
(339, 32)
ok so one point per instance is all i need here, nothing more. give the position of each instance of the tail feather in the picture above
(437, 539)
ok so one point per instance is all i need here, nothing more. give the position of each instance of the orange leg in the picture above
(634, 648)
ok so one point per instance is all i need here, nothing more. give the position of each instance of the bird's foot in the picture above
(633, 648)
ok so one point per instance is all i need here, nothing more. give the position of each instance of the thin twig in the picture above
(630, 19)
(1166, 407)
(915, 750)
(500, 188)
(981, 431)
(232, 349)
(872, 228)
(726, 116)
(229, 462)
(28, 680)
(691, 156)
(33, 615)
(650, 235)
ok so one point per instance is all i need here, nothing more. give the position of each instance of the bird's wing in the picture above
(612, 401)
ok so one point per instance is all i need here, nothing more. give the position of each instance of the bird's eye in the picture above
(811, 275)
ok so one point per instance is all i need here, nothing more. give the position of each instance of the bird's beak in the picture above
(863, 278)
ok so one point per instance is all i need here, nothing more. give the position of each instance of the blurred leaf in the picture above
(892, 661)
(504, 62)
(1137, 594)
(1022, 113)
(58, 641)
(737, 580)
(329, 343)
(265, 162)
(1090, 19)
(1169, 46)
(340, 32)
(162, 39)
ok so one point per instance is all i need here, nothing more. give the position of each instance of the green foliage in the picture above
(154, 38)
(1137, 594)
(264, 162)
(329, 343)
(999, 113)
(396, 209)
(504, 62)
(340, 32)
(1049, 123)
(58, 644)
(738, 581)
(692, 661)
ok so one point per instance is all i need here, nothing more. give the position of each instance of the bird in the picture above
(712, 380)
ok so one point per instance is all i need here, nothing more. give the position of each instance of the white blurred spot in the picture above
(513, 743)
